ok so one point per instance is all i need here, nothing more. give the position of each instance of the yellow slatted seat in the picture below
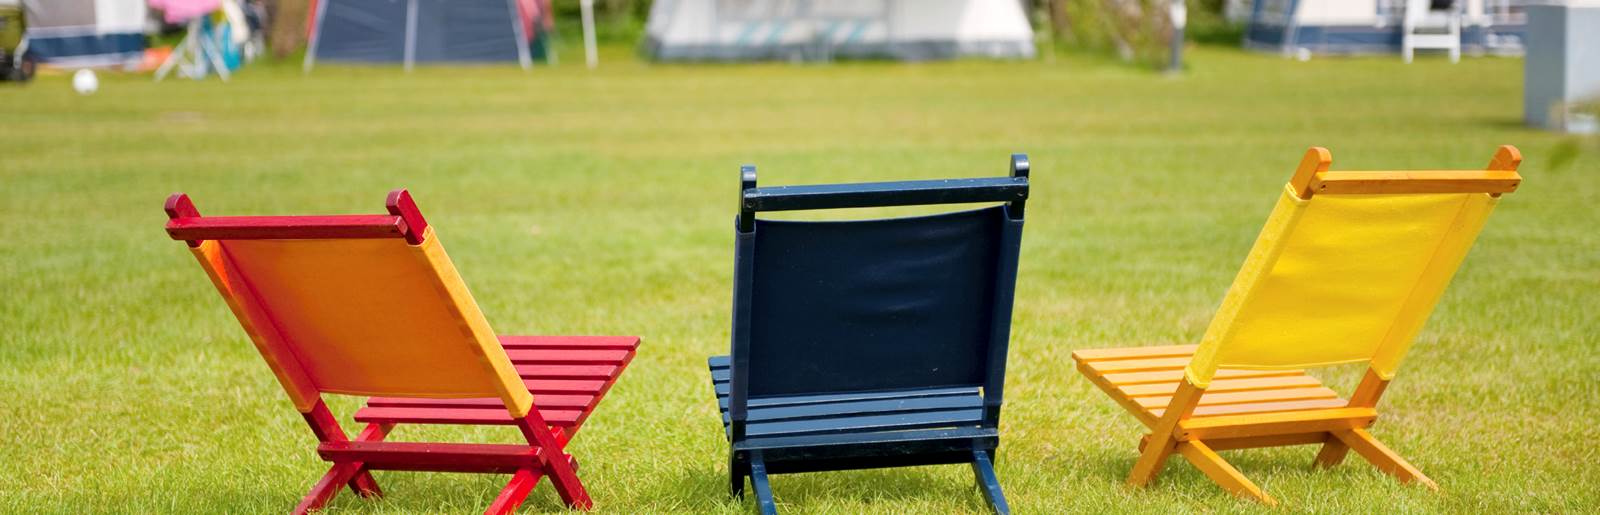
(1143, 379)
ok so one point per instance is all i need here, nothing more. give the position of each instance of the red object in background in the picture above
(536, 11)
(311, 19)
(153, 57)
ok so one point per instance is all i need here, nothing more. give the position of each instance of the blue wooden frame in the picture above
(953, 419)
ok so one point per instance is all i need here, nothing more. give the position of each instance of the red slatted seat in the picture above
(568, 376)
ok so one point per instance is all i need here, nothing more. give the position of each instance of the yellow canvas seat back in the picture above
(353, 304)
(1349, 266)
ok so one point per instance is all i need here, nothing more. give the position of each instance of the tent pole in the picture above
(552, 49)
(589, 50)
(411, 35)
(1178, 13)
(316, 34)
(1291, 29)
(191, 42)
(521, 36)
(175, 59)
(213, 53)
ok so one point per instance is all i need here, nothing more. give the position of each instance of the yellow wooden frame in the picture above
(1312, 177)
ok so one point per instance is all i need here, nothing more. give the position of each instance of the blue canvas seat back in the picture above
(850, 306)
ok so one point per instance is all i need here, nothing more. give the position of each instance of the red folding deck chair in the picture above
(371, 305)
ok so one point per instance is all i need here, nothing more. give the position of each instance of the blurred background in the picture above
(197, 38)
(138, 33)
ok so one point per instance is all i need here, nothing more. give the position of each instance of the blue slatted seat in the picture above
(863, 412)
(870, 343)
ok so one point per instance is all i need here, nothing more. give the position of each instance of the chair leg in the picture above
(983, 467)
(1152, 458)
(736, 475)
(758, 480)
(565, 479)
(327, 429)
(363, 484)
(1332, 453)
(516, 491)
(1221, 472)
(1382, 457)
(327, 487)
(557, 463)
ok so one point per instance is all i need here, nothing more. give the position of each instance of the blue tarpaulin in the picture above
(418, 31)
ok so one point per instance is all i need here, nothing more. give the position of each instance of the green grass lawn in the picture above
(600, 202)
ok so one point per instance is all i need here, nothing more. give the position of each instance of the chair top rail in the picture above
(1312, 177)
(403, 221)
(881, 194)
(1419, 181)
(1012, 190)
(286, 227)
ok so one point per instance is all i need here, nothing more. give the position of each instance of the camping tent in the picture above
(426, 31)
(725, 30)
(1376, 26)
(86, 32)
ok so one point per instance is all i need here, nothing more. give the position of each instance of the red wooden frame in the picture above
(400, 204)
(568, 375)
(403, 221)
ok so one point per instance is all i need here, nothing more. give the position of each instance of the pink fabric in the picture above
(535, 10)
(179, 11)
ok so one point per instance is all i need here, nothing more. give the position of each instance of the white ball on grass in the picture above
(85, 82)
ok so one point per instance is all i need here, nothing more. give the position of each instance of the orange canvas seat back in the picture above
(1346, 270)
(352, 304)
(1349, 266)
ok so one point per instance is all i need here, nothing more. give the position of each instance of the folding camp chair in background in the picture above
(1347, 270)
(371, 305)
(870, 343)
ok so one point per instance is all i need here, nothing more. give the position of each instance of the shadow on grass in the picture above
(694, 488)
(1286, 473)
(406, 492)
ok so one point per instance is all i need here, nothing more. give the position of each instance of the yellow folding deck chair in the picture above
(371, 305)
(1347, 270)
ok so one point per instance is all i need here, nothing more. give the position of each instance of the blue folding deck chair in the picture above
(870, 343)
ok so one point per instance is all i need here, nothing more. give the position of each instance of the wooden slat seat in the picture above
(568, 376)
(1143, 380)
(856, 412)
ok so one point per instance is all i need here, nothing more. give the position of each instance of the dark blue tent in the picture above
(420, 31)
